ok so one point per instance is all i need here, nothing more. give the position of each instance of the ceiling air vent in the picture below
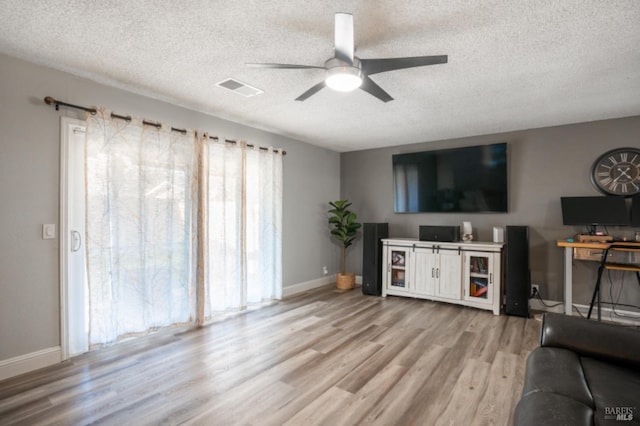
(239, 87)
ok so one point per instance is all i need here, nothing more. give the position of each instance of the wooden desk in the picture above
(568, 265)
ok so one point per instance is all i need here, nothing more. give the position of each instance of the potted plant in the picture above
(344, 228)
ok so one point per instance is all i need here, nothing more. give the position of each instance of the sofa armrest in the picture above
(607, 342)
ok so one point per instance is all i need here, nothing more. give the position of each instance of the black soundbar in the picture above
(448, 234)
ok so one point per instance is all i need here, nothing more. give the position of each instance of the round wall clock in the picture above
(617, 172)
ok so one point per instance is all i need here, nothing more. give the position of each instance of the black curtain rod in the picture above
(215, 138)
(148, 123)
(51, 101)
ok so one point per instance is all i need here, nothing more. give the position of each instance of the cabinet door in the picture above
(479, 276)
(398, 270)
(424, 271)
(449, 274)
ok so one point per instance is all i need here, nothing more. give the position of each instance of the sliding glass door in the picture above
(74, 301)
(162, 227)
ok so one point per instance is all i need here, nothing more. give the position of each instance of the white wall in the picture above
(29, 193)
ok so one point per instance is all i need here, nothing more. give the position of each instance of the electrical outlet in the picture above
(535, 289)
(325, 270)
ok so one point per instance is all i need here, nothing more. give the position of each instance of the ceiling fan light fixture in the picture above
(344, 78)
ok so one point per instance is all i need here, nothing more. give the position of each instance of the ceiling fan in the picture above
(346, 72)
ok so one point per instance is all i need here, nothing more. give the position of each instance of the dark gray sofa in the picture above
(584, 373)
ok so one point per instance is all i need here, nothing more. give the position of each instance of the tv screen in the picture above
(608, 210)
(470, 179)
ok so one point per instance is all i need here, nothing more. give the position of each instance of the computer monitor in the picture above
(592, 211)
(635, 211)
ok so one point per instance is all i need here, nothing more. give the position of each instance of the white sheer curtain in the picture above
(178, 228)
(242, 201)
(141, 205)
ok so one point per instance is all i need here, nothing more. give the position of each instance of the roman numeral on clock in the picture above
(606, 182)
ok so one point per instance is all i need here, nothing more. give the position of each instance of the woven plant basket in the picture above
(346, 281)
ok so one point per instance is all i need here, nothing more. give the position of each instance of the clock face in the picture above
(617, 172)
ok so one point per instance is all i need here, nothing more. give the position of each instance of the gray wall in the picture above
(29, 193)
(544, 164)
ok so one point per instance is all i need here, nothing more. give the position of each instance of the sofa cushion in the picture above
(551, 409)
(615, 390)
(603, 341)
(556, 371)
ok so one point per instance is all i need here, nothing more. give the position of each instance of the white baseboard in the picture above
(313, 284)
(308, 285)
(629, 317)
(28, 362)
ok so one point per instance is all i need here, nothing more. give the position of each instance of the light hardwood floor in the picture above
(322, 357)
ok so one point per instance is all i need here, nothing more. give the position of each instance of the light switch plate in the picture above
(48, 231)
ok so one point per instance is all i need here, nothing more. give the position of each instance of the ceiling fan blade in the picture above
(375, 66)
(343, 42)
(281, 66)
(372, 88)
(315, 89)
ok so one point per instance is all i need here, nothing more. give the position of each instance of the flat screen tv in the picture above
(470, 179)
(592, 211)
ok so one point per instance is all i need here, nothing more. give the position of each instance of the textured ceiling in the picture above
(513, 64)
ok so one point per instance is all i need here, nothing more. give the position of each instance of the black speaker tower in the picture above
(517, 275)
(373, 233)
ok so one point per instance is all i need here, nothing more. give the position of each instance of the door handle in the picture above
(76, 241)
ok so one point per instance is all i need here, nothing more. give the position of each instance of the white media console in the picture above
(465, 273)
